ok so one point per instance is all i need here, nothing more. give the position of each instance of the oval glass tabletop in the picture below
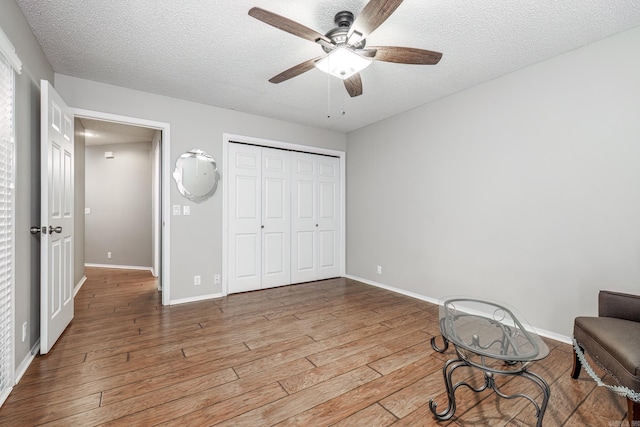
(489, 329)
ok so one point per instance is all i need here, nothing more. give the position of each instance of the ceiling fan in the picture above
(346, 54)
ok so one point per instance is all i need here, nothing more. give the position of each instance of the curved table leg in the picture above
(546, 393)
(437, 348)
(451, 397)
(535, 378)
(489, 383)
(447, 372)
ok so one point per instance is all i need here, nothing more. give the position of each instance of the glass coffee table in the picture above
(493, 338)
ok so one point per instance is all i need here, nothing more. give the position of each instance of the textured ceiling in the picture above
(212, 52)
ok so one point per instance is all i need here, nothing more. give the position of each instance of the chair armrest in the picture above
(619, 305)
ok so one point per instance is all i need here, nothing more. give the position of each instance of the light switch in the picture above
(186, 210)
(87, 211)
(176, 209)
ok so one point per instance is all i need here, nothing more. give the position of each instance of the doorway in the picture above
(152, 138)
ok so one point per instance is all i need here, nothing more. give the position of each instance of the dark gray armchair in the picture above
(612, 340)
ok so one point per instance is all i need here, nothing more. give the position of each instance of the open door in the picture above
(56, 245)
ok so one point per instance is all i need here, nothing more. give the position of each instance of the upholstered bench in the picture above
(612, 340)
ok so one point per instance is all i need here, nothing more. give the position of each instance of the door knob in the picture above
(53, 229)
(36, 230)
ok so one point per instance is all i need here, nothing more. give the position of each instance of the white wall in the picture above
(196, 240)
(525, 189)
(27, 181)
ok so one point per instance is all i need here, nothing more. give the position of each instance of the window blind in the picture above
(9, 53)
(6, 224)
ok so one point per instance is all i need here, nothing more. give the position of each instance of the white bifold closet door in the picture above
(315, 221)
(283, 217)
(259, 218)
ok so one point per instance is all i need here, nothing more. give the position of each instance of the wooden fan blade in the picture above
(354, 85)
(294, 71)
(286, 24)
(371, 17)
(405, 55)
(367, 53)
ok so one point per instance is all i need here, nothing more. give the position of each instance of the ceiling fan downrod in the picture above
(338, 35)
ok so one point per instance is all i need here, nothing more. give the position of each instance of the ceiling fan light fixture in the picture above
(343, 62)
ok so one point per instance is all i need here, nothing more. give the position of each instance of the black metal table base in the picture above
(489, 383)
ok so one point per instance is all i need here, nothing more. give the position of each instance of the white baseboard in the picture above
(3, 396)
(552, 335)
(122, 267)
(195, 299)
(20, 370)
(24, 365)
(542, 332)
(79, 285)
(393, 289)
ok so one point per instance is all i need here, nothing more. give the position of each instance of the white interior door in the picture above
(315, 227)
(276, 214)
(329, 247)
(245, 214)
(304, 221)
(56, 282)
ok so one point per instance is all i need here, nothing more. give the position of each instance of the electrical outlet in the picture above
(24, 331)
(379, 269)
(216, 279)
(108, 255)
(197, 281)
(186, 210)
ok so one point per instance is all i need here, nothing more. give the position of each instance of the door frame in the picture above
(229, 138)
(165, 142)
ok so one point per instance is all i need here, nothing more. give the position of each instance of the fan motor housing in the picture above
(338, 35)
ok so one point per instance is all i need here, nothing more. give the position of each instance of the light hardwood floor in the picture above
(334, 352)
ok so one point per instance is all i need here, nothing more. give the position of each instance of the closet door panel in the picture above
(247, 201)
(276, 218)
(274, 245)
(245, 213)
(305, 260)
(327, 251)
(247, 247)
(329, 247)
(304, 223)
(305, 206)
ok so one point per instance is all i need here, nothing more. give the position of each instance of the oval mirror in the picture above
(196, 175)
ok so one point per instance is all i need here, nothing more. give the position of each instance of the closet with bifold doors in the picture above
(283, 217)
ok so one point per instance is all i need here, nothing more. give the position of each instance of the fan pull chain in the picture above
(329, 94)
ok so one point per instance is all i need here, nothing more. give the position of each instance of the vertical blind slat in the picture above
(6, 222)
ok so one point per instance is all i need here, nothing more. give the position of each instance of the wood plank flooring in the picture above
(335, 352)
